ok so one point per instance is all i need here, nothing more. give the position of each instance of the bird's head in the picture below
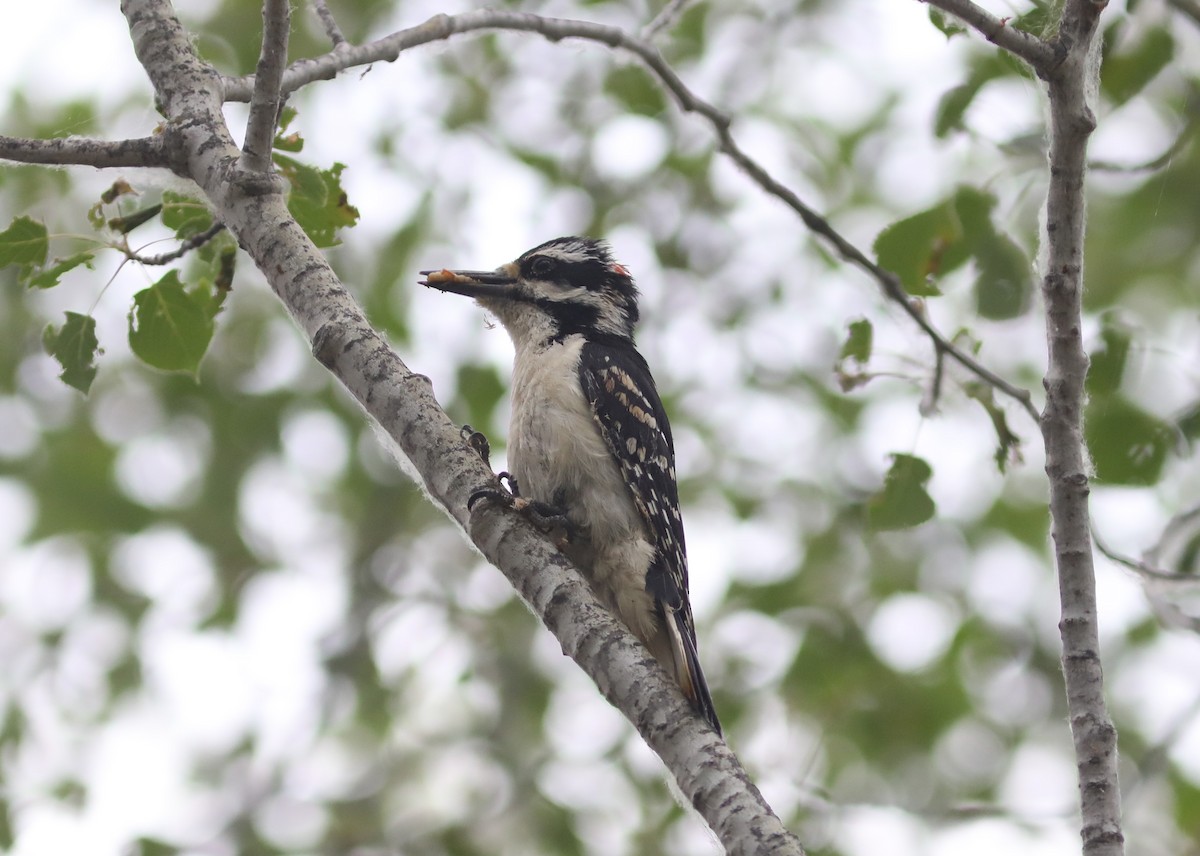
(562, 287)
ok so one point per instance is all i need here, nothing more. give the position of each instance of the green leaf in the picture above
(974, 209)
(857, 347)
(954, 103)
(948, 24)
(170, 328)
(481, 388)
(75, 346)
(184, 214)
(129, 222)
(470, 104)
(1008, 444)
(24, 242)
(119, 188)
(903, 502)
(7, 836)
(858, 342)
(1108, 359)
(952, 109)
(922, 247)
(1185, 793)
(291, 142)
(1004, 281)
(549, 166)
(637, 92)
(154, 847)
(48, 277)
(1128, 445)
(226, 262)
(286, 116)
(1027, 522)
(1187, 422)
(96, 216)
(317, 200)
(1126, 73)
(1187, 559)
(1004, 278)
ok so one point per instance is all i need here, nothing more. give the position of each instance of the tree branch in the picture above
(81, 151)
(443, 27)
(1152, 567)
(264, 101)
(666, 18)
(403, 403)
(1191, 8)
(183, 249)
(336, 37)
(1039, 54)
(1071, 124)
(706, 769)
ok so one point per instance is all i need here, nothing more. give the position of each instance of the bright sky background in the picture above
(202, 689)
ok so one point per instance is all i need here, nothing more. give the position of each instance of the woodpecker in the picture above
(589, 439)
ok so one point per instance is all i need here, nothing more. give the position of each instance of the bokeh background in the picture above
(229, 623)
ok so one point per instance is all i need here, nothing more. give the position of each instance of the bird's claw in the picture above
(491, 494)
(546, 518)
(549, 519)
(477, 441)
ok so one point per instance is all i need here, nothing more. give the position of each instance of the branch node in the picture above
(325, 343)
(253, 183)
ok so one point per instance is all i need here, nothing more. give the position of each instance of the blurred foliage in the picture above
(224, 561)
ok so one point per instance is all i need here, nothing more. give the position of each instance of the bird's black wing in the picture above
(626, 405)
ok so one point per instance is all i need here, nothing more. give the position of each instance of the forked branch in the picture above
(442, 27)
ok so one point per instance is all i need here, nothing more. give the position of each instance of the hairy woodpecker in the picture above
(589, 438)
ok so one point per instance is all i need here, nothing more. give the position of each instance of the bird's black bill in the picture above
(470, 283)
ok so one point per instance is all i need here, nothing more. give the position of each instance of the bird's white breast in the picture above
(555, 448)
(559, 457)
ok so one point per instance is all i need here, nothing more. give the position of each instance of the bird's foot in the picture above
(549, 519)
(477, 441)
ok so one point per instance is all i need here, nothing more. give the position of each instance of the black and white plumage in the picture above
(589, 437)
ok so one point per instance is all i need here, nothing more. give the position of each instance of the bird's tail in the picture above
(686, 662)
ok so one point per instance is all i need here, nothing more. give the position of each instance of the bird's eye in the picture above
(542, 266)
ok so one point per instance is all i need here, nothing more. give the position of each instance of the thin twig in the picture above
(1188, 7)
(1186, 518)
(442, 27)
(264, 102)
(183, 249)
(933, 394)
(81, 151)
(1155, 759)
(1152, 566)
(1143, 567)
(336, 37)
(664, 19)
(1038, 53)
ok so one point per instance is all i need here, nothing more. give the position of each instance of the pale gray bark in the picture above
(250, 203)
(1071, 124)
(247, 197)
(1067, 64)
(389, 48)
(265, 100)
(80, 151)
